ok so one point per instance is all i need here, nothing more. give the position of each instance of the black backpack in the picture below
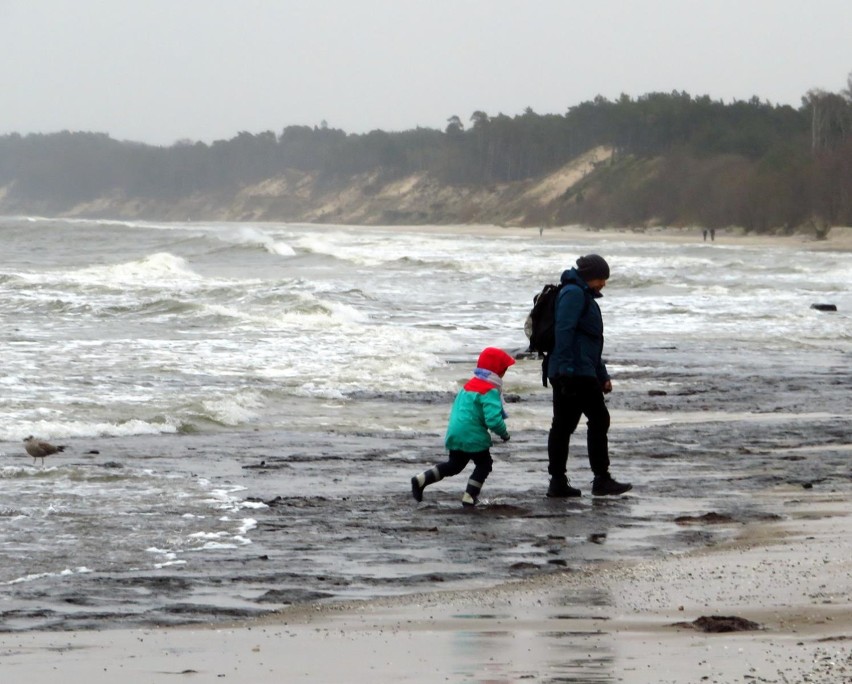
(541, 322)
(540, 326)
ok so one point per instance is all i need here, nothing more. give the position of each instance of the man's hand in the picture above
(606, 386)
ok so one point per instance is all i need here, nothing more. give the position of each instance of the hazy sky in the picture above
(161, 70)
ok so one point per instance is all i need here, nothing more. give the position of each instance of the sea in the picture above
(242, 406)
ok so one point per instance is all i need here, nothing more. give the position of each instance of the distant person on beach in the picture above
(705, 235)
(712, 235)
(477, 411)
(579, 379)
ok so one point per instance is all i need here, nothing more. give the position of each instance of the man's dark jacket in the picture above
(579, 332)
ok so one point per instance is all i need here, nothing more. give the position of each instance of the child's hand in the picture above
(505, 438)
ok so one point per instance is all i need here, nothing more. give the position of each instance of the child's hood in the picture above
(495, 360)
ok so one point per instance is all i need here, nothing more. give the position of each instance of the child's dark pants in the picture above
(458, 461)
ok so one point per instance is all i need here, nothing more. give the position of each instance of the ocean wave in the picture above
(230, 234)
(367, 248)
(283, 309)
(241, 409)
(155, 269)
(172, 337)
(53, 430)
(96, 307)
(159, 270)
(165, 306)
(249, 235)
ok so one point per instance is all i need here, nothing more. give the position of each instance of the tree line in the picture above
(676, 159)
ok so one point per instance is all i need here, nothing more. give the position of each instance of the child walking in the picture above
(478, 408)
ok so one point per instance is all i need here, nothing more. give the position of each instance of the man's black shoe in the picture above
(606, 486)
(562, 491)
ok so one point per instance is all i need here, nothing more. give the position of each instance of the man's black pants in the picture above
(573, 397)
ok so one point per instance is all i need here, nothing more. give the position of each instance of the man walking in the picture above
(579, 379)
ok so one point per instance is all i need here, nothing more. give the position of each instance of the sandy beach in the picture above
(613, 623)
(838, 238)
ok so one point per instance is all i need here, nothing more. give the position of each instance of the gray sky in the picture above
(161, 70)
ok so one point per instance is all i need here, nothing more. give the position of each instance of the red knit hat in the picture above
(495, 360)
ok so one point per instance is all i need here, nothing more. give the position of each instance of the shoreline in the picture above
(839, 238)
(609, 623)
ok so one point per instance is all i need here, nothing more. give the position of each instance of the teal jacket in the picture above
(474, 414)
(478, 407)
(579, 332)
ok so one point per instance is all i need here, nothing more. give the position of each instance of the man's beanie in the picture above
(592, 266)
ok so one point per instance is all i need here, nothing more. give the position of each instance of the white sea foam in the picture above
(246, 525)
(208, 535)
(157, 270)
(253, 504)
(82, 570)
(162, 552)
(218, 546)
(224, 498)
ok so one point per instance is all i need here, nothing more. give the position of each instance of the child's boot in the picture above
(419, 482)
(471, 493)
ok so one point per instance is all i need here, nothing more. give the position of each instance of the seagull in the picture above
(39, 449)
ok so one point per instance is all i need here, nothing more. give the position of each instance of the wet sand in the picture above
(610, 623)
